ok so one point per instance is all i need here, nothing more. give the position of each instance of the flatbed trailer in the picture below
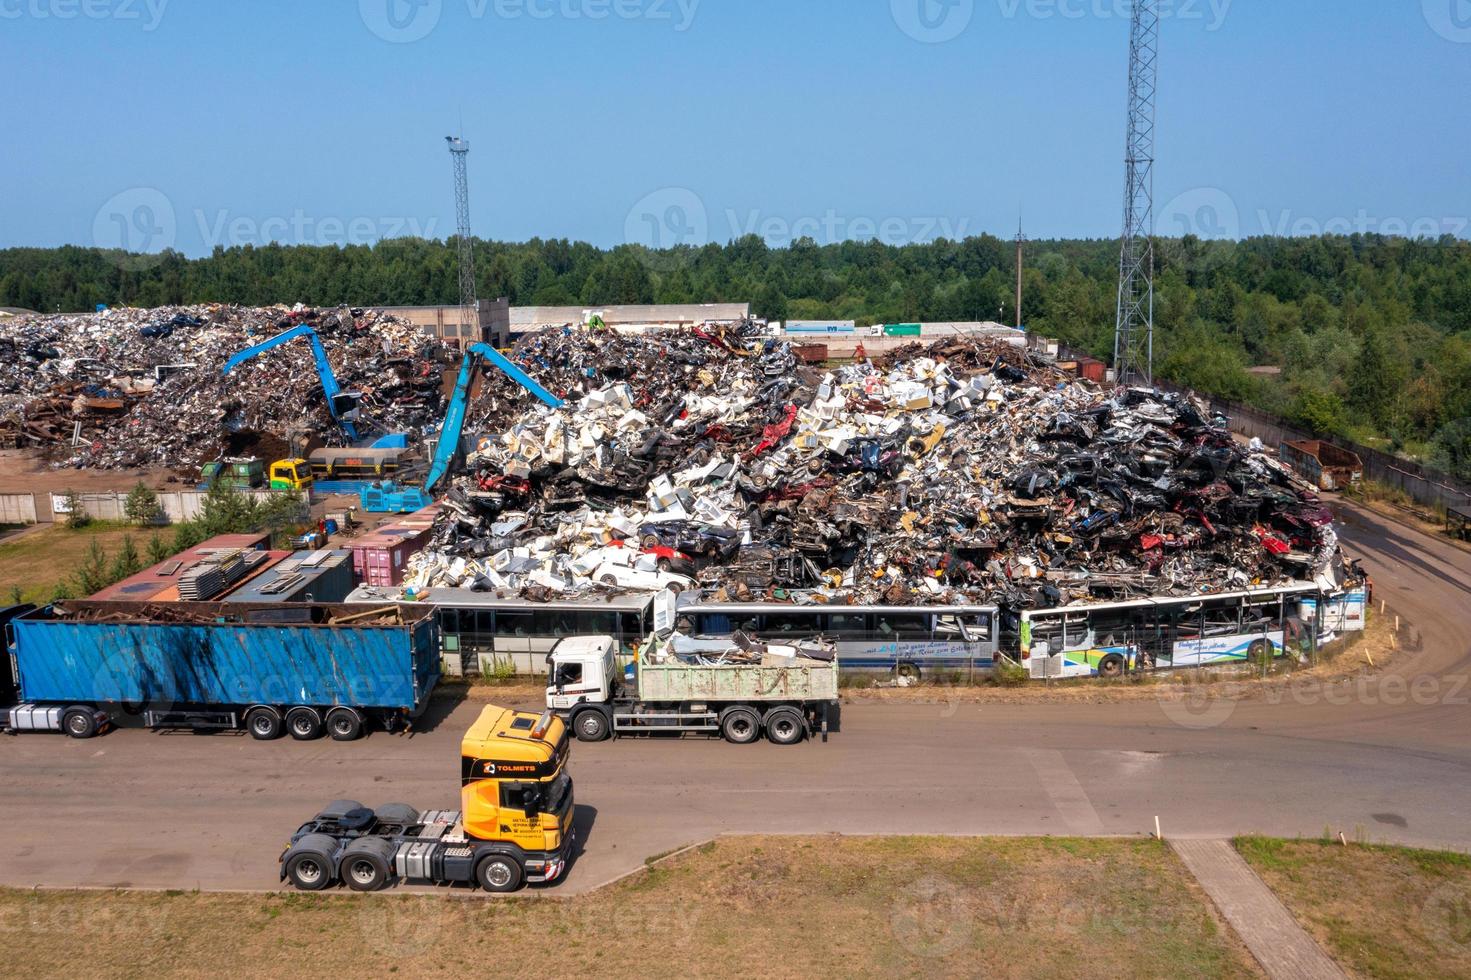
(786, 697)
(306, 669)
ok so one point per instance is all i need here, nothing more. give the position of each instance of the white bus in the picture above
(479, 630)
(1110, 638)
(906, 640)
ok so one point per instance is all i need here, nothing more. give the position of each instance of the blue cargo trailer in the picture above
(306, 669)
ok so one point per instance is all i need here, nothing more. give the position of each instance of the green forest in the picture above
(1372, 334)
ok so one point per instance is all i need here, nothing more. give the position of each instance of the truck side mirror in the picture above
(531, 801)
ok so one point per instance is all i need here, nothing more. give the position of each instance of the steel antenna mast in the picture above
(1133, 343)
(459, 151)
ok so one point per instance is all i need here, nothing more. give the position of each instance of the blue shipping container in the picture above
(225, 659)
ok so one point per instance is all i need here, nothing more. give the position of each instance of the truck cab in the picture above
(514, 784)
(291, 474)
(581, 670)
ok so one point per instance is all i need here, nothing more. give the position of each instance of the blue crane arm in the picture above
(454, 418)
(330, 387)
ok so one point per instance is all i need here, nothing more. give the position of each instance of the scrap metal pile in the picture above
(964, 471)
(146, 385)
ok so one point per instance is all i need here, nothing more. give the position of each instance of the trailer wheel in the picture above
(309, 871)
(740, 725)
(590, 725)
(263, 723)
(784, 726)
(303, 723)
(79, 722)
(498, 873)
(344, 724)
(364, 872)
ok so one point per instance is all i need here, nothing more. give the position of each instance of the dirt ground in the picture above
(749, 906)
(22, 471)
(1379, 911)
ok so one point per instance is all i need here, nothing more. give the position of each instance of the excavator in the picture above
(448, 447)
(342, 404)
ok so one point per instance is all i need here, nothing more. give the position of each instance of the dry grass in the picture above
(816, 906)
(37, 561)
(1379, 911)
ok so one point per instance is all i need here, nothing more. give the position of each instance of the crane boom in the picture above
(454, 419)
(330, 388)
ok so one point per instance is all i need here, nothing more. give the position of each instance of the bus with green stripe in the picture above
(1112, 638)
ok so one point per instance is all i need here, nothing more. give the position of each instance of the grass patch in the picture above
(1379, 911)
(36, 563)
(783, 906)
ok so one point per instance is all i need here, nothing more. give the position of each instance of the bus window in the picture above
(850, 626)
(977, 627)
(1048, 630)
(1221, 621)
(631, 627)
(902, 626)
(1111, 628)
(1075, 631)
(712, 624)
(513, 623)
(791, 624)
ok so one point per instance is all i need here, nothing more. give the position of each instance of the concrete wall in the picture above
(178, 505)
(17, 508)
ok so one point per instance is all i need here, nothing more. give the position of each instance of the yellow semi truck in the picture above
(514, 825)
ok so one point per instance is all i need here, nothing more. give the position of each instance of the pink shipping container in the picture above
(379, 558)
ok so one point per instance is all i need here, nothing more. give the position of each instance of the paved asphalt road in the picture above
(1391, 760)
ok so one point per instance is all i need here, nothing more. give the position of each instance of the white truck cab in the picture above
(581, 669)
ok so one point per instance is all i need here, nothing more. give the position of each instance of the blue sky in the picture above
(193, 123)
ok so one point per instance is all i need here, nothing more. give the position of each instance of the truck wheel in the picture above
(79, 722)
(364, 872)
(263, 723)
(590, 726)
(344, 724)
(303, 723)
(498, 873)
(740, 726)
(784, 726)
(309, 871)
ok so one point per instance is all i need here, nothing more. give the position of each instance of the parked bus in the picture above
(1110, 638)
(479, 630)
(907, 640)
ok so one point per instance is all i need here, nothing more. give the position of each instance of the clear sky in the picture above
(202, 122)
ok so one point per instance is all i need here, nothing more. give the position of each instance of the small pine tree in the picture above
(142, 508)
(62, 592)
(186, 535)
(157, 550)
(15, 595)
(76, 513)
(91, 574)
(126, 562)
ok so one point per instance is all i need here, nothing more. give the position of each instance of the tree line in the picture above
(1372, 333)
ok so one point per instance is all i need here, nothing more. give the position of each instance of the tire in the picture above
(1260, 652)
(309, 871)
(609, 580)
(740, 726)
(499, 873)
(263, 723)
(590, 726)
(304, 723)
(662, 564)
(396, 813)
(1111, 666)
(674, 588)
(784, 726)
(908, 670)
(364, 872)
(79, 722)
(650, 541)
(344, 724)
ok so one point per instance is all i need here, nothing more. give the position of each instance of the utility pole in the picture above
(1133, 343)
(459, 150)
(1020, 241)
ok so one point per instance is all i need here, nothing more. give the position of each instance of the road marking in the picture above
(1065, 792)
